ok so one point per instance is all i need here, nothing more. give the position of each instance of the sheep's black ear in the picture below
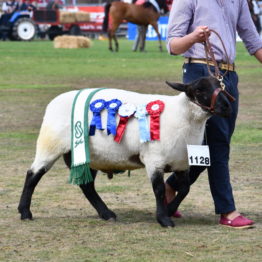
(177, 86)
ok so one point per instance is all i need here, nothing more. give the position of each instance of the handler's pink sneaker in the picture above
(238, 222)
(176, 214)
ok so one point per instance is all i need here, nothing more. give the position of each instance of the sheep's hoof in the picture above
(165, 222)
(108, 215)
(112, 220)
(26, 215)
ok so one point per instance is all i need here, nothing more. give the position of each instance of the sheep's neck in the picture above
(196, 116)
(196, 113)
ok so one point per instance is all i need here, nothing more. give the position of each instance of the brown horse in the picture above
(146, 14)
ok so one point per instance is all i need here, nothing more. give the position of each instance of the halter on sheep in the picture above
(182, 123)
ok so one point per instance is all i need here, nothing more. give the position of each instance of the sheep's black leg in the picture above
(183, 187)
(91, 194)
(25, 201)
(67, 159)
(161, 209)
(95, 200)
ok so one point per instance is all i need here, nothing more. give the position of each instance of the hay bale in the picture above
(66, 17)
(82, 16)
(68, 41)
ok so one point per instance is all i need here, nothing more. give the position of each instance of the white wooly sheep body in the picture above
(181, 123)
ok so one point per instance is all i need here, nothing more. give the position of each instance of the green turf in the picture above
(66, 228)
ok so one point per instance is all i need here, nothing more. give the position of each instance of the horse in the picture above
(146, 14)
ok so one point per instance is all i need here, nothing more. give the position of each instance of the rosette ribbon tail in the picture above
(155, 108)
(155, 127)
(121, 129)
(111, 123)
(95, 123)
(143, 129)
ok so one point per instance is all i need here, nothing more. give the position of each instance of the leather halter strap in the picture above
(214, 97)
(211, 108)
(210, 56)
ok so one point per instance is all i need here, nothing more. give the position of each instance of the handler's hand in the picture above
(199, 34)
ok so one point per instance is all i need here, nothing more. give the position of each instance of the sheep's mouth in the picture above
(214, 109)
(219, 110)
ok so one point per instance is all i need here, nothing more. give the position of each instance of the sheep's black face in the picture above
(203, 91)
(206, 89)
(222, 106)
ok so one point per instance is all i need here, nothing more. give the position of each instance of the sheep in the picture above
(182, 122)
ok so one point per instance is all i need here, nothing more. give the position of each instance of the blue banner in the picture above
(151, 33)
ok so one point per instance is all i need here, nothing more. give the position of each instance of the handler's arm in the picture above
(258, 55)
(180, 45)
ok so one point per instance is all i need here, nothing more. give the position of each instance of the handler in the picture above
(188, 22)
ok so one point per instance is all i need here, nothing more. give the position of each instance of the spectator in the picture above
(141, 32)
(54, 4)
(8, 8)
(26, 5)
(255, 13)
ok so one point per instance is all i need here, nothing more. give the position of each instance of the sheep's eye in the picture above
(201, 95)
(198, 92)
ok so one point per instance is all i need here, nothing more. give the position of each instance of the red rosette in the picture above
(125, 111)
(154, 109)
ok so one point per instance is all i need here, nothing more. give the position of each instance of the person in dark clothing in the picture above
(255, 12)
(53, 5)
(26, 6)
(8, 7)
(141, 31)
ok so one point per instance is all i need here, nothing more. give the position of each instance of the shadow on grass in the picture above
(129, 216)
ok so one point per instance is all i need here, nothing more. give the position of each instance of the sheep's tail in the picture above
(106, 17)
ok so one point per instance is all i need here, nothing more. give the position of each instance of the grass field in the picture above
(66, 228)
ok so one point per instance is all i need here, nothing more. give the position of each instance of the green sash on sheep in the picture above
(80, 170)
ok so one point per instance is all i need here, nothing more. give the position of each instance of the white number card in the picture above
(198, 155)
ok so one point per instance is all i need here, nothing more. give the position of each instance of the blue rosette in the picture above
(141, 115)
(96, 107)
(112, 108)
